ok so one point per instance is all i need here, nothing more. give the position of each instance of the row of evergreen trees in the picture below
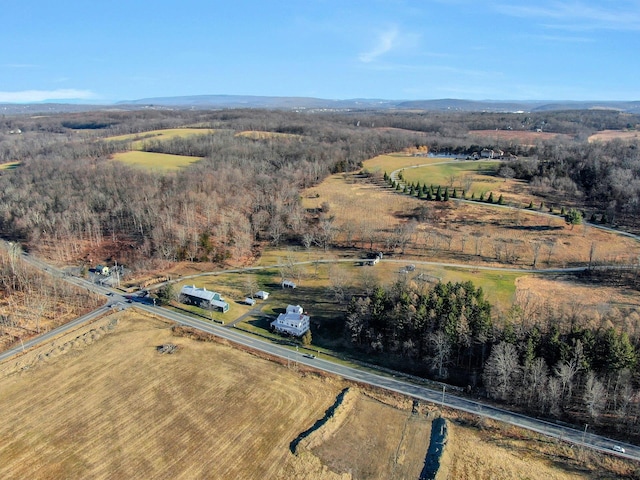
(437, 193)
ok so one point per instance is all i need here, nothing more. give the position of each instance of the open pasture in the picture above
(155, 161)
(119, 409)
(521, 137)
(138, 139)
(608, 135)
(393, 161)
(367, 215)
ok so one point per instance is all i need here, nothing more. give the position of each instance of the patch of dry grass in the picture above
(260, 135)
(487, 449)
(377, 441)
(163, 134)
(389, 163)
(608, 135)
(155, 161)
(518, 136)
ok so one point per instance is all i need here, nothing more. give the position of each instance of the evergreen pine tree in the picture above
(446, 195)
(500, 200)
(490, 199)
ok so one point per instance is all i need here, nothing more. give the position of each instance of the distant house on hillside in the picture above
(203, 298)
(294, 322)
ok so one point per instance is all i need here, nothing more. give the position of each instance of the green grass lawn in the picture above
(479, 172)
(155, 161)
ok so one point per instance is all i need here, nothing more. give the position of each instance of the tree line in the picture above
(550, 362)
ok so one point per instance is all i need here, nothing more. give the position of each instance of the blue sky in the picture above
(101, 52)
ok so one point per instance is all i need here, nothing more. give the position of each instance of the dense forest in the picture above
(544, 360)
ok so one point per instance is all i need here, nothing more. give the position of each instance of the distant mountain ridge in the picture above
(311, 103)
(252, 101)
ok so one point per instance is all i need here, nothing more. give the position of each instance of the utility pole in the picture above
(443, 388)
(585, 432)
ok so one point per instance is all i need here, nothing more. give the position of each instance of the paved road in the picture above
(50, 335)
(399, 385)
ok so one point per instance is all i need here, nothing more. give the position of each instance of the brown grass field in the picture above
(121, 410)
(260, 135)
(521, 137)
(103, 403)
(608, 135)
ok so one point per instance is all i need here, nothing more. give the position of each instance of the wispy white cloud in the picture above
(578, 14)
(28, 96)
(385, 42)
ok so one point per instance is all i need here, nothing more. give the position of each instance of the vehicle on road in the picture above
(618, 448)
(308, 355)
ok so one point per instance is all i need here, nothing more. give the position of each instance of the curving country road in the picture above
(578, 437)
(362, 375)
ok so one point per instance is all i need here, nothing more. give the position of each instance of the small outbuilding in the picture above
(288, 284)
(262, 295)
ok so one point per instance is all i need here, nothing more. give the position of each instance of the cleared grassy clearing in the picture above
(478, 175)
(117, 409)
(155, 161)
(9, 165)
(260, 135)
(165, 134)
(518, 136)
(391, 162)
(608, 135)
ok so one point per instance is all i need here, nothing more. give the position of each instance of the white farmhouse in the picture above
(294, 322)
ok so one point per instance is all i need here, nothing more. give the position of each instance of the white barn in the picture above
(203, 298)
(294, 322)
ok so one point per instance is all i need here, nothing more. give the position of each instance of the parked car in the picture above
(618, 448)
